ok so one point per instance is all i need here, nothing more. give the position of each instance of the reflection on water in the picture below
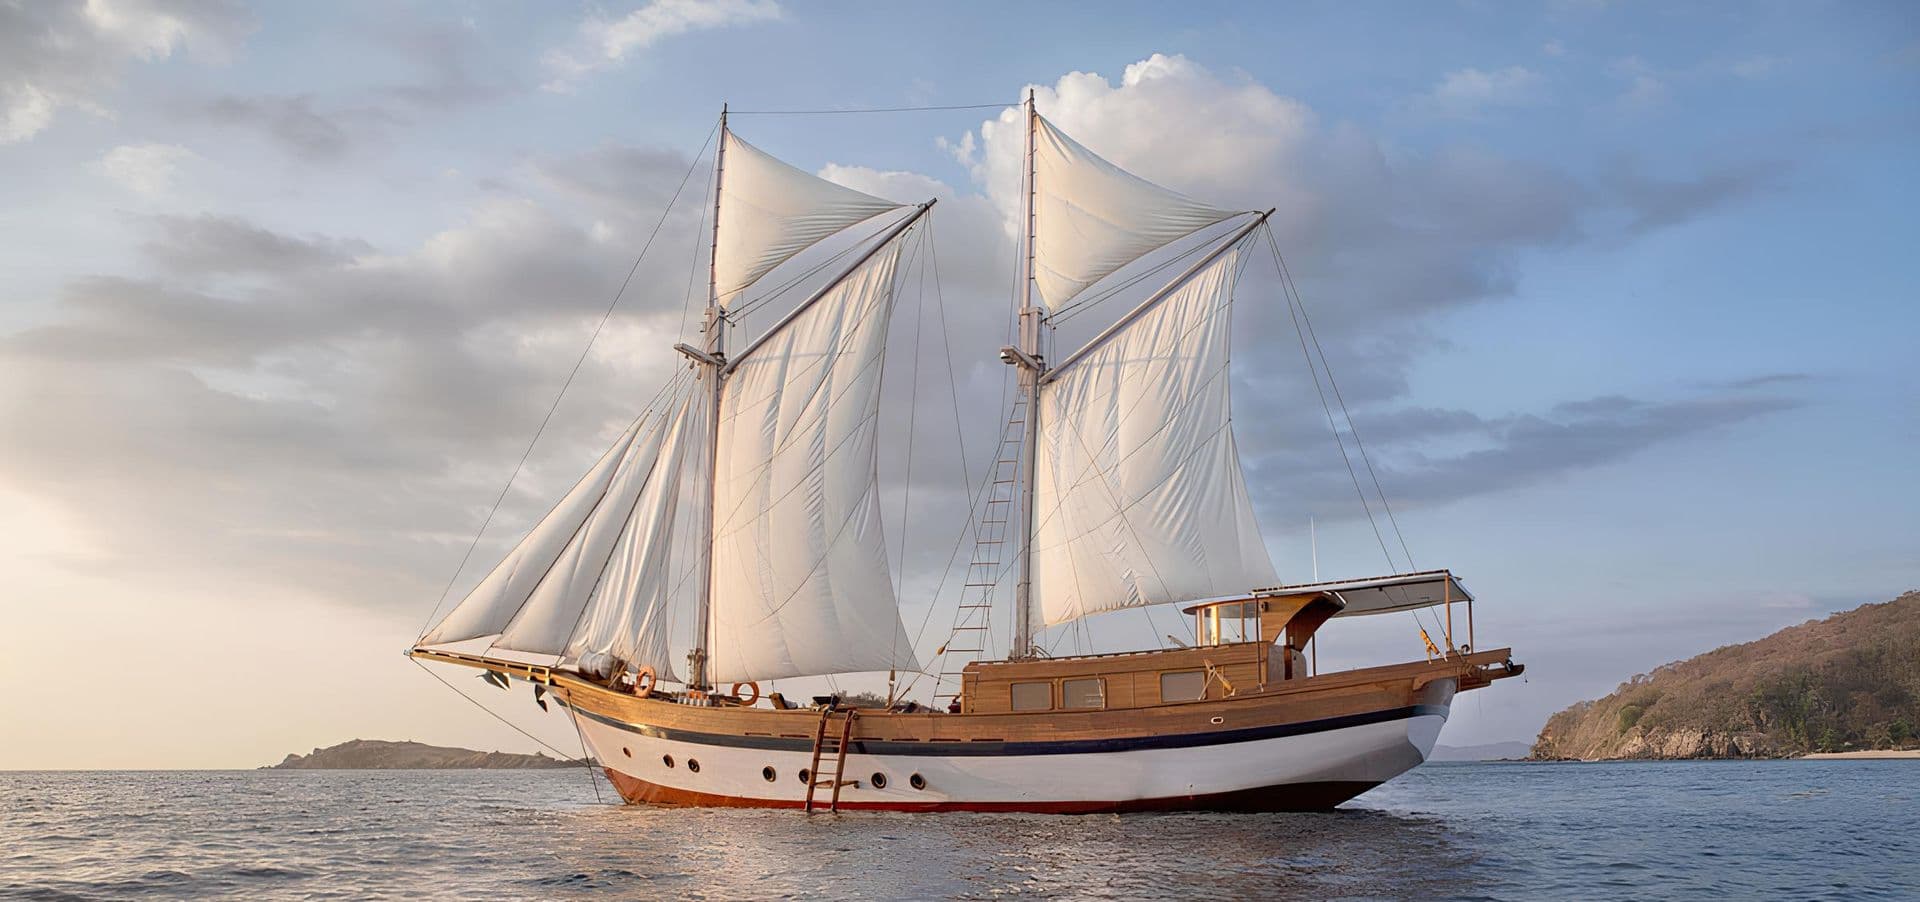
(1842, 829)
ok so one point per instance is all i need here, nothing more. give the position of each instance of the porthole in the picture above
(916, 781)
(1217, 721)
(666, 760)
(768, 774)
(806, 776)
(879, 780)
(626, 751)
(693, 764)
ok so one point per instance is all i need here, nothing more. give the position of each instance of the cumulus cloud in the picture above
(146, 169)
(65, 55)
(604, 43)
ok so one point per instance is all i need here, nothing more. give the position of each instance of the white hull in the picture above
(1310, 769)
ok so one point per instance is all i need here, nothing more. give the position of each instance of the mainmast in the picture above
(714, 360)
(1026, 355)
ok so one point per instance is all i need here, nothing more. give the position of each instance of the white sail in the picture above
(800, 578)
(647, 578)
(487, 609)
(1092, 217)
(770, 211)
(1138, 493)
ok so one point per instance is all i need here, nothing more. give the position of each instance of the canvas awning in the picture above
(1384, 594)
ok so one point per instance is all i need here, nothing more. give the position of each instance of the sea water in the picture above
(1732, 830)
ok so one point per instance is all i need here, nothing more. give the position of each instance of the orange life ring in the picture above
(750, 685)
(643, 681)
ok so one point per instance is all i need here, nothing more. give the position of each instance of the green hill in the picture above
(1851, 681)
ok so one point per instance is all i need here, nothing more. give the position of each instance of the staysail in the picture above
(1091, 217)
(768, 211)
(569, 570)
(800, 578)
(1138, 493)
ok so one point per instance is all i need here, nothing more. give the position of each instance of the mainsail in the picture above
(1133, 492)
(1138, 493)
(801, 584)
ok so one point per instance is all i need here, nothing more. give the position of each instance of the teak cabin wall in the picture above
(1131, 680)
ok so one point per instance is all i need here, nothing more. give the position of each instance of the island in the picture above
(1846, 686)
(378, 754)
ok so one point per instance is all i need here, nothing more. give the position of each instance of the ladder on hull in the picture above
(825, 745)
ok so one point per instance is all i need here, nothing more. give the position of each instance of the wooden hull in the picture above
(1308, 745)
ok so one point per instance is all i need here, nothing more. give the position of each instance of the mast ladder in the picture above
(967, 641)
(825, 744)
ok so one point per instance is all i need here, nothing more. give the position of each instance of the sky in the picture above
(1620, 296)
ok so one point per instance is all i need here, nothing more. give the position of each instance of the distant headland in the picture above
(1846, 686)
(377, 754)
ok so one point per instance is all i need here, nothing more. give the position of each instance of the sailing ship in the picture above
(743, 511)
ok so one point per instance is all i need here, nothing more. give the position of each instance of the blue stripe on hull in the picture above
(1001, 748)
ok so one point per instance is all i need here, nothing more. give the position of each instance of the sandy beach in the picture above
(1874, 753)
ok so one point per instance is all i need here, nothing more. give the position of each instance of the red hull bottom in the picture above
(1320, 796)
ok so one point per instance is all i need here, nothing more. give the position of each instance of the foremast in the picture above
(712, 366)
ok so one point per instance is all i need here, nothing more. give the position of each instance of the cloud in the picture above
(211, 244)
(271, 404)
(603, 43)
(146, 169)
(65, 55)
(1651, 202)
(1471, 92)
(1645, 89)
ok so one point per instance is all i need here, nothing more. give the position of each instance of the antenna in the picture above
(1313, 536)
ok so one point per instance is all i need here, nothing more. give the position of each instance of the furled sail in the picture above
(800, 578)
(1138, 493)
(595, 575)
(1092, 217)
(770, 211)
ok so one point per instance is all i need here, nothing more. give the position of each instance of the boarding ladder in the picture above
(827, 745)
(968, 639)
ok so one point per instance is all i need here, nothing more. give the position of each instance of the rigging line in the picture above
(1301, 334)
(515, 727)
(857, 110)
(604, 317)
(959, 434)
(1351, 427)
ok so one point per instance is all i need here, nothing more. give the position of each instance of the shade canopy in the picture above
(1384, 594)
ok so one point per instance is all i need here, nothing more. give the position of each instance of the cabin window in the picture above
(1183, 686)
(1220, 624)
(1032, 696)
(1086, 693)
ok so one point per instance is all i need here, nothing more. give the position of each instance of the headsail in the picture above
(1139, 497)
(570, 571)
(801, 584)
(1091, 217)
(769, 211)
(487, 609)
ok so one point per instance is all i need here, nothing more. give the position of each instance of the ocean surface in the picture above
(1733, 830)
